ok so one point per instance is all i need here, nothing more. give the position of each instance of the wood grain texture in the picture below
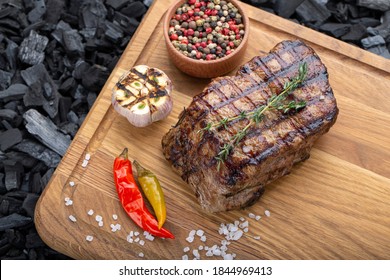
(333, 206)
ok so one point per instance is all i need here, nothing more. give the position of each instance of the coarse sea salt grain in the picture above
(184, 257)
(256, 237)
(67, 199)
(69, 202)
(115, 217)
(203, 238)
(85, 163)
(190, 239)
(141, 255)
(267, 213)
(71, 183)
(258, 217)
(89, 238)
(186, 249)
(251, 215)
(199, 232)
(72, 218)
(142, 242)
(98, 218)
(90, 212)
(100, 223)
(87, 156)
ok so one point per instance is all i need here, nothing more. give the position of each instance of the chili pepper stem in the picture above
(124, 153)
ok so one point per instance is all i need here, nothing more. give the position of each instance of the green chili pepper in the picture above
(153, 192)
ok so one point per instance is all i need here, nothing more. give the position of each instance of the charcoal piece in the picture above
(14, 92)
(6, 124)
(127, 24)
(64, 107)
(31, 50)
(367, 22)
(383, 29)
(46, 177)
(15, 238)
(5, 79)
(9, 25)
(381, 5)
(34, 241)
(380, 50)
(9, 138)
(37, 13)
(13, 174)
(29, 204)
(113, 63)
(113, 32)
(47, 91)
(81, 67)
(91, 97)
(117, 4)
(46, 131)
(148, 3)
(311, 11)
(93, 12)
(14, 204)
(80, 93)
(69, 128)
(35, 183)
(68, 86)
(35, 77)
(134, 10)
(95, 78)
(88, 33)
(4, 207)
(7, 114)
(54, 9)
(3, 189)
(32, 254)
(285, 8)
(14, 221)
(335, 29)
(373, 41)
(61, 27)
(38, 151)
(26, 160)
(73, 42)
(11, 53)
(72, 117)
(357, 32)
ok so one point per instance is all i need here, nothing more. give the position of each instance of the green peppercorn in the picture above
(210, 37)
(199, 22)
(184, 25)
(196, 34)
(237, 43)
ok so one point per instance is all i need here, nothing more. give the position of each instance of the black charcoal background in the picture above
(55, 57)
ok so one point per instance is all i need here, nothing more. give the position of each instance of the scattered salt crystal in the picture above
(141, 255)
(322, 97)
(228, 257)
(224, 242)
(203, 238)
(87, 156)
(200, 248)
(190, 239)
(199, 232)
(206, 247)
(216, 252)
(69, 202)
(115, 217)
(184, 257)
(237, 235)
(196, 254)
(142, 242)
(209, 253)
(67, 199)
(149, 237)
(256, 237)
(89, 238)
(98, 218)
(244, 224)
(267, 213)
(85, 163)
(71, 183)
(186, 249)
(245, 229)
(136, 233)
(72, 218)
(136, 240)
(90, 212)
(251, 215)
(131, 233)
(236, 223)
(258, 217)
(242, 219)
(100, 223)
(223, 248)
(192, 233)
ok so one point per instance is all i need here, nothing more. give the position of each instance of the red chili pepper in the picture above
(131, 197)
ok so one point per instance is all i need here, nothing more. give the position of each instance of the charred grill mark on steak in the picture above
(271, 147)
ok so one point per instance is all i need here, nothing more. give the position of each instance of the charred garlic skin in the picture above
(143, 95)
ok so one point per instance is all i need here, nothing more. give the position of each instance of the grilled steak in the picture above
(271, 147)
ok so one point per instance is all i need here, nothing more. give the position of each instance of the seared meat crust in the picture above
(270, 148)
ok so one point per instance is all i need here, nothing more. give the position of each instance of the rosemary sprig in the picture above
(275, 102)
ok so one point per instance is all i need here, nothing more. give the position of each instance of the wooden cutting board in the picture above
(336, 205)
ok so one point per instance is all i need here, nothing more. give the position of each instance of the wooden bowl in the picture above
(203, 68)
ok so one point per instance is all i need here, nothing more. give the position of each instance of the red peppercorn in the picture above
(200, 34)
(214, 12)
(231, 44)
(177, 17)
(197, 45)
(190, 32)
(209, 56)
(238, 36)
(225, 31)
(198, 55)
(203, 3)
(197, 5)
(228, 52)
(184, 17)
(209, 30)
(196, 10)
(196, 18)
(191, 2)
(190, 13)
(174, 37)
(185, 41)
(207, 12)
(203, 44)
